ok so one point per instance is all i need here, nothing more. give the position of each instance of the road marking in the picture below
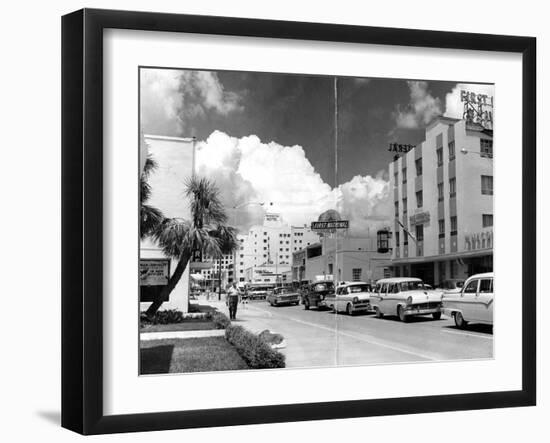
(364, 338)
(487, 337)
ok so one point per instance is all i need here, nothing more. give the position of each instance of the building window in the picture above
(486, 148)
(356, 274)
(442, 228)
(395, 179)
(330, 268)
(419, 199)
(487, 184)
(440, 192)
(418, 164)
(454, 268)
(451, 150)
(439, 156)
(397, 238)
(404, 175)
(396, 204)
(487, 220)
(454, 225)
(419, 232)
(452, 187)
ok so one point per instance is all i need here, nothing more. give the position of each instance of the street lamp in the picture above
(481, 154)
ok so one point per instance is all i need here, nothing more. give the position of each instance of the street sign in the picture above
(335, 224)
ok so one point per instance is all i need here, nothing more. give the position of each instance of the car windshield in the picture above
(411, 285)
(320, 287)
(359, 288)
(283, 291)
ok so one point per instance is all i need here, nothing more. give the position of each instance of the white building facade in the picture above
(267, 249)
(443, 197)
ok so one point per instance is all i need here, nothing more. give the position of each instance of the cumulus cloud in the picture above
(248, 170)
(454, 107)
(169, 98)
(422, 108)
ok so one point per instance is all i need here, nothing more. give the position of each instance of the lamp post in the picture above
(465, 151)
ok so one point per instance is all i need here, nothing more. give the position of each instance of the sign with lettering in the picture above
(478, 240)
(335, 224)
(420, 218)
(478, 108)
(154, 271)
(401, 148)
(272, 217)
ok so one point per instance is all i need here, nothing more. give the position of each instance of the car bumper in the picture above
(411, 310)
(362, 307)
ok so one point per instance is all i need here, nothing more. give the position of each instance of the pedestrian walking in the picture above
(232, 301)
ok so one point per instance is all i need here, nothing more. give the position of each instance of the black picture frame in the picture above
(82, 218)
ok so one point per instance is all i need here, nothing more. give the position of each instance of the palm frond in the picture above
(206, 206)
(227, 238)
(150, 219)
(150, 166)
(172, 236)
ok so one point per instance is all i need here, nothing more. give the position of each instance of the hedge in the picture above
(257, 353)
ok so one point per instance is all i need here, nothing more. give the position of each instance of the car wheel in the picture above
(436, 315)
(459, 320)
(349, 309)
(378, 313)
(401, 314)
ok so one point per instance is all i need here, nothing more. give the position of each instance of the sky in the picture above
(266, 137)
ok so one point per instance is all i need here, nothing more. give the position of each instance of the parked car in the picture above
(474, 303)
(282, 296)
(404, 297)
(351, 297)
(452, 285)
(314, 294)
(259, 292)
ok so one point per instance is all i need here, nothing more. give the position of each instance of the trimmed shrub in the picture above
(271, 338)
(220, 320)
(257, 353)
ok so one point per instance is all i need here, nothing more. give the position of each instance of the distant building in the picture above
(443, 203)
(269, 246)
(341, 259)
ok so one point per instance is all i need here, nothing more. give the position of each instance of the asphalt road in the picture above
(322, 338)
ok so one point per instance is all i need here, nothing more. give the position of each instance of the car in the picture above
(259, 292)
(474, 303)
(282, 296)
(405, 297)
(314, 294)
(452, 285)
(350, 297)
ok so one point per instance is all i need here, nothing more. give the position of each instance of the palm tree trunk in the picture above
(174, 279)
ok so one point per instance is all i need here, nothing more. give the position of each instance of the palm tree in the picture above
(150, 217)
(205, 232)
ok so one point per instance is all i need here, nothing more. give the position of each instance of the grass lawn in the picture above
(187, 325)
(189, 355)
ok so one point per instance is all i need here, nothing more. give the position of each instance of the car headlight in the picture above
(409, 300)
(355, 300)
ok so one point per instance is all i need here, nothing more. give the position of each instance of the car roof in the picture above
(398, 279)
(354, 283)
(483, 275)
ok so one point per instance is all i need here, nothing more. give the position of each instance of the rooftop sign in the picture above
(478, 108)
(335, 224)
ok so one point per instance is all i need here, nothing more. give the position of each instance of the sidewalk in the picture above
(181, 334)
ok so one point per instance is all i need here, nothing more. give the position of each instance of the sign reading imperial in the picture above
(335, 224)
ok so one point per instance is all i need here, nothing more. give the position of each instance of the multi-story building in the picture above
(220, 271)
(270, 245)
(342, 258)
(443, 203)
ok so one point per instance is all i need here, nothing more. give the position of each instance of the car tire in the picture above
(274, 303)
(401, 314)
(349, 309)
(436, 315)
(377, 312)
(459, 320)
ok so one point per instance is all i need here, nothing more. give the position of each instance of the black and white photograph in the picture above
(311, 221)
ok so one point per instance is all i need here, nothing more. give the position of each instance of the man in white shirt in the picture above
(233, 300)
